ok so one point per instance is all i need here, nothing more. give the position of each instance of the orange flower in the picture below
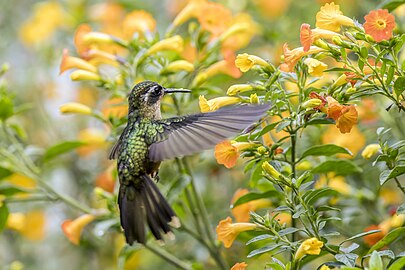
(242, 211)
(239, 266)
(331, 18)
(105, 180)
(372, 239)
(81, 46)
(69, 62)
(73, 228)
(215, 18)
(226, 154)
(379, 24)
(291, 57)
(228, 231)
(344, 115)
(138, 21)
(308, 35)
(272, 9)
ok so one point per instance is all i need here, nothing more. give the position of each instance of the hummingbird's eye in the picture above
(156, 91)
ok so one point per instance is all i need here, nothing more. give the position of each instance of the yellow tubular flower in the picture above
(73, 228)
(84, 75)
(238, 88)
(233, 30)
(174, 43)
(246, 61)
(311, 103)
(138, 21)
(179, 65)
(315, 67)
(216, 103)
(339, 81)
(69, 62)
(324, 267)
(30, 225)
(370, 150)
(268, 168)
(331, 18)
(309, 247)
(191, 10)
(101, 38)
(291, 57)
(97, 57)
(74, 107)
(228, 231)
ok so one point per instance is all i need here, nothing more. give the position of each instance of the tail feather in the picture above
(144, 204)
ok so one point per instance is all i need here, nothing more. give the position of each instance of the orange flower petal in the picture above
(379, 24)
(347, 119)
(226, 154)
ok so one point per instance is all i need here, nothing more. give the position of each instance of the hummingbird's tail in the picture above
(144, 201)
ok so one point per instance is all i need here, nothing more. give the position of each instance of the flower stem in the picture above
(168, 257)
(402, 188)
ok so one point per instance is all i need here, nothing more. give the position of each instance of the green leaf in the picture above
(391, 4)
(393, 235)
(10, 190)
(274, 266)
(4, 173)
(61, 148)
(398, 264)
(338, 69)
(340, 167)
(320, 121)
(390, 75)
(255, 196)
(311, 196)
(359, 235)
(399, 85)
(305, 177)
(389, 174)
(3, 216)
(288, 230)
(267, 129)
(375, 262)
(349, 259)
(262, 250)
(325, 150)
(259, 238)
(401, 209)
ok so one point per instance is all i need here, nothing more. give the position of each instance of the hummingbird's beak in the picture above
(175, 90)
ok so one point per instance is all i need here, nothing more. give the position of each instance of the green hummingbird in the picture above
(148, 139)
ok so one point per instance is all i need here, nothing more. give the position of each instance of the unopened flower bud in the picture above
(370, 150)
(270, 170)
(238, 88)
(74, 107)
(254, 99)
(84, 75)
(261, 150)
(311, 103)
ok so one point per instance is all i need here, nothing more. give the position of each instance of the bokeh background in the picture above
(33, 36)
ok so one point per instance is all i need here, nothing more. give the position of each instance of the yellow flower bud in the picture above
(311, 103)
(337, 40)
(174, 43)
(261, 150)
(102, 38)
(238, 88)
(235, 29)
(270, 170)
(84, 75)
(304, 165)
(216, 103)
(310, 246)
(339, 81)
(246, 61)
(179, 66)
(74, 107)
(351, 90)
(370, 150)
(254, 99)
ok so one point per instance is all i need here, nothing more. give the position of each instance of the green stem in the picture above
(169, 257)
(402, 188)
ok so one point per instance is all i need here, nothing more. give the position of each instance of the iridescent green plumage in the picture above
(147, 140)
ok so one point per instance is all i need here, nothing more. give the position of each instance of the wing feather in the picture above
(190, 134)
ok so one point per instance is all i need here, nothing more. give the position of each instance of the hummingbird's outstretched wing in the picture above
(186, 135)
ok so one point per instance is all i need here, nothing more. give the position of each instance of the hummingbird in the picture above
(148, 139)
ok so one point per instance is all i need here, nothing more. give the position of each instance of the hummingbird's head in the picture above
(145, 97)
